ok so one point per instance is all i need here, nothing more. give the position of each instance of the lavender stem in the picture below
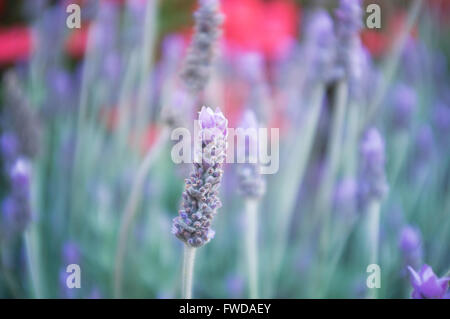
(251, 239)
(392, 63)
(325, 193)
(188, 271)
(132, 205)
(298, 160)
(351, 139)
(373, 219)
(33, 264)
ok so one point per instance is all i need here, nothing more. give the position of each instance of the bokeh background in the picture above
(82, 109)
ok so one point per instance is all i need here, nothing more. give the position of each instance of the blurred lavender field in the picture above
(87, 176)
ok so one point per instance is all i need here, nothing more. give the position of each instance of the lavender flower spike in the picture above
(20, 116)
(427, 285)
(201, 51)
(405, 101)
(410, 243)
(320, 44)
(351, 58)
(349, 14)
(200, 198)
(251, 182)
(372, 178)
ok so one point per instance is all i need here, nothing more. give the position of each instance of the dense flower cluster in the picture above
(200, 55)
(200, 198)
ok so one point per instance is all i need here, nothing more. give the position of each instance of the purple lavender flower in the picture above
(345, 194)
(235, 286)
(251, 65)
(65, 291)
(349, 15)
(9, 146)
(372, 178)
(352, 60)
(424, 144)
(404, 102)
(107, 21)
(409, 239)
(9, 209)
(251, 182)
(441, 120)
(201, 51)
(95, 293)
(410, 243)
(20, 176)
(20, 117)
(200, 198)
(427, 285)
(172, 47)
(320, 45)
(15, 214)
(60, 82)
(71, 253)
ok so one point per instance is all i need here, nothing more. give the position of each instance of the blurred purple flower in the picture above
(427, 285)
(16, 206)
(235, 286)
(112, 66)
(20, 115)
(410, 243)
(320, 45)
(404, 102)
(95, 294)
(60, 82)
(415, 58)
(208, 20)
(65, 291)
(345, 194)
(441, 120)
(172, 48)
(372, 177)
(20, 176)
(106, 25)
(424, 143)
(71, 253)
(251, 65)
(349, 16)
(9, 209)
(9, 146)
(410, 239)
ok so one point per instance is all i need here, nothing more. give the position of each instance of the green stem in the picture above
(251, 239)
(326, 187)
(188, 271)
(351, 139)
(33, 262)
(373, 231)
(391, 64)
(291, 179)
(131, 208)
